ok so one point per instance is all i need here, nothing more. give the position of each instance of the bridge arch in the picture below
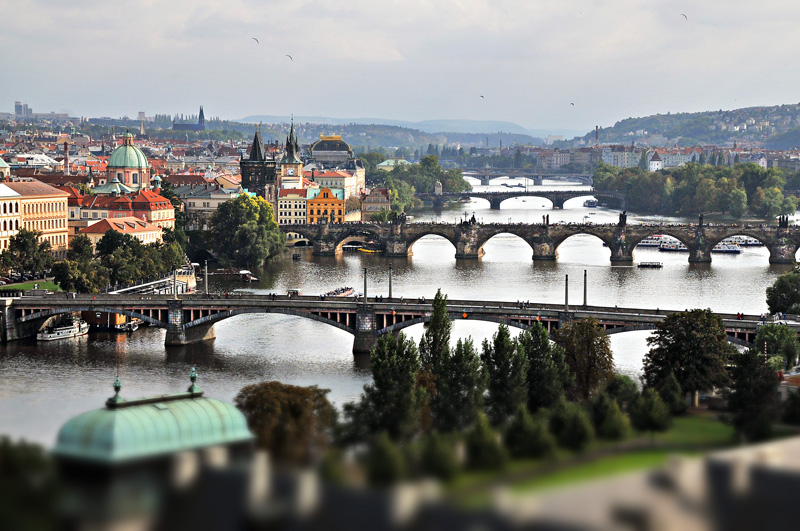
(585, 229)
(52, 312)
(453, 317)
(216, 317)
(411, 240)
(505, 231)
(360, 233)
(652, 326)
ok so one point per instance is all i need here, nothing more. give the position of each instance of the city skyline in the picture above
(557, 67)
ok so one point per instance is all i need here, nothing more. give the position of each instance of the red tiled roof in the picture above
(126, 225)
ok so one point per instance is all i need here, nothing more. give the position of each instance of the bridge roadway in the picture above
(397, 240)
(557, 197)
(486, 175)
(191, 318)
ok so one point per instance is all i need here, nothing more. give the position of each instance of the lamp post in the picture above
(390, 281)
(205, 277)
(365, 285)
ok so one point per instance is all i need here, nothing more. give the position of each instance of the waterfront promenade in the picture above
(191, 318)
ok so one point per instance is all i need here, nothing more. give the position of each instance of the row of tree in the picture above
(119, 260)
(697, 188)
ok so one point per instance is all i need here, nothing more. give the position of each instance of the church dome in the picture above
(331, 143)
(127, 155)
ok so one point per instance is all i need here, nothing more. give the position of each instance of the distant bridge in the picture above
(486, 175)
(544, 239)
(191, 318)
(557, 197)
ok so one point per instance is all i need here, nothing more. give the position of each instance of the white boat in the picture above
(247, 276)
(651, 241)
(129, 327)
(340, 292)
(743, 241)
(673, 245)
(590, 203)
(76, 328)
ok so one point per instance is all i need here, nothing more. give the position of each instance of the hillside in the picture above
(775, 127)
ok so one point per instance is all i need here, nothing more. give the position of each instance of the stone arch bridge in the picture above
(468, 239)
(191, 318)
(557, 197)
(486, 175)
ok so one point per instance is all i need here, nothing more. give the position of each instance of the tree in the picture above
(244, 231)
(113, 240)
(693, 346)
(484, 451)
(385, 462)
(622, 389)
(548, 374)
(292, 423)
(460, 387)
(26, 253)
(506, 368)
(384, 215)
(80, 249)
(527, 437)
(752, 395)
(784, 294)
(670, 392)
(608, 419)
(588, 354)
(29, 487)
(434, 347)
(392, 402)
(571, 426)
(438, 457)
(81, 277)
(778, 340)
(650, 413)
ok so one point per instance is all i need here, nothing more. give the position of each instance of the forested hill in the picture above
(776, 127)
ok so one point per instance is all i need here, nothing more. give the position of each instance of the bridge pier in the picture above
(366, 335)
(558, 203)
(324, 248)
(782, 252)
(699, 254)
(494, 203)
(397, 248)
(178, 334)
(544, 248)
(619, 250)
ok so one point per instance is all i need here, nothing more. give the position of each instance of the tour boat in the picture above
(129, 327)
(743, 241)
(651, 241)
(651, 265)
(721, 247)
(247, 276)
(75, 328)
(340, 292)
(590, 203)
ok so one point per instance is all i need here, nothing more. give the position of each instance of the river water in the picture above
(43, 385)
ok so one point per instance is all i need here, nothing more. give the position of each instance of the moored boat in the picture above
(247, 276)
(673, 245)
(590, 203)
(651, 241)
(75, 328)
(340, 292)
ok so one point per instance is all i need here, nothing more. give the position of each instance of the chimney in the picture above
(597, 134)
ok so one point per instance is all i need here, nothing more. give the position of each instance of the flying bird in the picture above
(684, 16)
(572, 104)
(255, 40)
(482, 96)
(290, 57)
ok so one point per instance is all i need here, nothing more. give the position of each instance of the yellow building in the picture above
(9, 215)
(44, 208)
(325, 204)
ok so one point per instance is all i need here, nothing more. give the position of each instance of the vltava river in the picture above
(43, 385)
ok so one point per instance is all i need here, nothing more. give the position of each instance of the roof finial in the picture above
(116, 399)
(193, 377)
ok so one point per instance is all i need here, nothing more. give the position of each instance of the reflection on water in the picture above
(42, 385)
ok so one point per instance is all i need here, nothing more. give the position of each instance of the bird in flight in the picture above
(572, 104)
(255, 40)
(290, 57)
(684, 16)
(482, 96)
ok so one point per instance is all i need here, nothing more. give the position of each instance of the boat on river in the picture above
(247, 276)
(340, 292)
(590, 203)
(74, 328)
(651, 241)
(721, 247)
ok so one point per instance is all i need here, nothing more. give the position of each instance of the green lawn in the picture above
(604, 467)
(43, 284)
(704, 431)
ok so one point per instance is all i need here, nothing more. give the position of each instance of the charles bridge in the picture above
(397, 240)
(191, 318)
(557, 197)
(486, 175)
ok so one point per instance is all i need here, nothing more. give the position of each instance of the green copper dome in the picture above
(151, 427)
(127, 155)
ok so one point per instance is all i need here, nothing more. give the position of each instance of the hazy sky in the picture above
(409, 59)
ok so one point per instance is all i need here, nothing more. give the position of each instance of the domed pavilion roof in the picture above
(151, 427)
(127, 155)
